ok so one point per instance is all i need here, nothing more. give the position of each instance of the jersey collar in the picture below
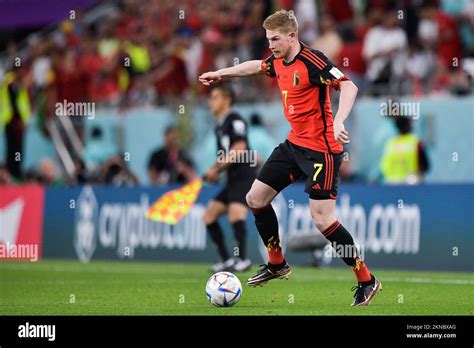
(302, 45)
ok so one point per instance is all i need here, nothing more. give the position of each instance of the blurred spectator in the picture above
(71, 39)
(30, 176)
(444, 33)
(97, 150)
(115, 172)
(384, 51)
(329, 41)
(404, 159)
(14, 115)
(307, 14)
(71, 79)
(137, 51)
(141, 92)
(101, 82)
(80, 173)
(341, 11)
(41, 66)
(461, 82)
(5, 176)
(47, 173)
(260, 139)
(169, 164)
(191, 54)
(44, 93)
(350, 60)
(108, 45)
(170, 74)
(463, 12)
(419, 67)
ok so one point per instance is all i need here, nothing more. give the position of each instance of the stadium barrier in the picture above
(406, 227)
(21, 222)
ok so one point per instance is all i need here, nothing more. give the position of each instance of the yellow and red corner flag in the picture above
(175, 204)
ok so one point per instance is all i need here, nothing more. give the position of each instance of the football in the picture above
(223, 289)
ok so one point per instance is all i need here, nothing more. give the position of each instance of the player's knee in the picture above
(208, 220)
(209, 217)
(322, 222)
(253, 201)
(237, 215)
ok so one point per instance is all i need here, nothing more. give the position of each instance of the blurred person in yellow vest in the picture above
(15, 112)
(404, 160)
(137, 52)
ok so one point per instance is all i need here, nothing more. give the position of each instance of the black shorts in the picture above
(288, 162)
(235, 192)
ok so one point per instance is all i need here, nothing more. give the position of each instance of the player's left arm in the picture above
(346, 101)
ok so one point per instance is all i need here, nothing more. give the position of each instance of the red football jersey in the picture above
(304, 84)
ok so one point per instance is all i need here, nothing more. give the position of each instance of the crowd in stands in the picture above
(151, 53)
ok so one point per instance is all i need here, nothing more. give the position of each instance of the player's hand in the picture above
(209, 78)
(340, 133)
(212, 175)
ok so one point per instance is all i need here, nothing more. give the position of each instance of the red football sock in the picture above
(338, 235)
(275, 255)
(267, 225)
(361, 271)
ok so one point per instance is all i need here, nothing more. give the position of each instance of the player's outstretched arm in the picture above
(346, 101)
(248, 68)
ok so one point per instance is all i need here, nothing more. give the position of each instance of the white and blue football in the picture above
(223, 289)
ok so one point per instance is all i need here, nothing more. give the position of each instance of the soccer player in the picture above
(314, 147)
(232, 144)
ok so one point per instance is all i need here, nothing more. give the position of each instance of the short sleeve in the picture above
(321, 70)
(267, 66)
(238, 130)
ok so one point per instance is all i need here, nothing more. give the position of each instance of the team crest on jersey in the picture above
(325, 81)
(296, 78)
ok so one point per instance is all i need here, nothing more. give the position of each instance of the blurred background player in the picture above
(404, 160)
(231, 133)
(314, 147)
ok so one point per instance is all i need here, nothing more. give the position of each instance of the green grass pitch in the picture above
(59, 287)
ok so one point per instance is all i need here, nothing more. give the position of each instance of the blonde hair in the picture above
(283, 21)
